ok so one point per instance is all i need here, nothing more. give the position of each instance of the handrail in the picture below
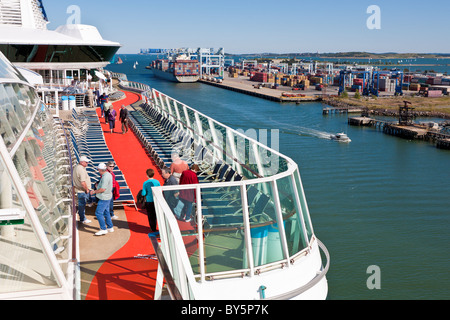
(173, 289)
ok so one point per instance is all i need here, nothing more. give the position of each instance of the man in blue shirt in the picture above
(149, 204)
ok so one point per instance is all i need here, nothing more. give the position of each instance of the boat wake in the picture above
(303, 131)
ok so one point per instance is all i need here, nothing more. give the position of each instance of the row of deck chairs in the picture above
(224, 210)
(222, 207)
(88, 140)
(162, 138)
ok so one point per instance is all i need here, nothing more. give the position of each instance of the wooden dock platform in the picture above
(407, 132)
(412, 132)
(264, 93)
(347, 109)
(361, 121)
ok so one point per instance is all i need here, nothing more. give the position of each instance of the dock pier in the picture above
(412, 132)
(347, 109)
(268, 94)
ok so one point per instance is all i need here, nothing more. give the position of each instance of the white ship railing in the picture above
(132, 85)
(188, 248)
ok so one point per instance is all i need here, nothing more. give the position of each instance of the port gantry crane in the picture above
(393, 74)
(345, 79)
(371, 80)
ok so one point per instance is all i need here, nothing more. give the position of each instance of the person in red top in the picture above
(188, 196)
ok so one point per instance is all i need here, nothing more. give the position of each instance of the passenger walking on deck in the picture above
(178, 166)
(170, 196)
(107, 106)
(188, 196)
(91, 97)
(116, 193)
(104, 195)
(112, 118)
(82, 185)
(123, 117)
(149, 204)
(102, 101)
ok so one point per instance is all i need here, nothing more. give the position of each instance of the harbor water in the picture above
(378, 201)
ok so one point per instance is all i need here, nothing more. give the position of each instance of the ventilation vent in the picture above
(10, 12)
(23, 13)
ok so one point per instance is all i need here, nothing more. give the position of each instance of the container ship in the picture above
(180, 69)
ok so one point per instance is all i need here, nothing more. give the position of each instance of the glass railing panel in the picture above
(192, 119)
(205, 124)
(8, 71)
(182, 117)
(10, 126)
(174, 263)
(221, 134)
(182, 204)
(23, 118)
(294, 230)
(46, 183)
(266, 241)
(23, 263)
(27, 98)
(304, 206)
(223, 227)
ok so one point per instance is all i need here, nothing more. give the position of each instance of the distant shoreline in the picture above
(351, 55)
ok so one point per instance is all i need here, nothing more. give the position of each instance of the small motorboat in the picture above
(341, 137)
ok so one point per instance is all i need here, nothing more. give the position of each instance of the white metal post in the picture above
(279, 213)
(201, 247)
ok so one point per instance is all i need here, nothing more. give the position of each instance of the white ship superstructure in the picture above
(70, 55)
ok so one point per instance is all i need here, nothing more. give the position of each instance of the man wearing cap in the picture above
(104, 195)
(82, 185)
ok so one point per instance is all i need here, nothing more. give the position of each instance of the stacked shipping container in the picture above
(186, 68)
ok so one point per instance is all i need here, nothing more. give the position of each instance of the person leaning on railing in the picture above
(187, 197)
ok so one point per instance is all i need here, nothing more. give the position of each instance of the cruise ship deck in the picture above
(250, 226)
(250, 222)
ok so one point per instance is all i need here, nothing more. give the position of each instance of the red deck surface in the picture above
(130, 273)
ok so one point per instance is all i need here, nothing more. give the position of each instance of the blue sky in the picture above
(257, 26)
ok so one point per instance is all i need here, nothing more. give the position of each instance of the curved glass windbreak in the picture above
(23, 263)
(36, 161)
(8, 71)
(17, 105)
(41, 161)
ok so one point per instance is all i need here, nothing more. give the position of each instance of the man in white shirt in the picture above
(104, 195)
(82, 185)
